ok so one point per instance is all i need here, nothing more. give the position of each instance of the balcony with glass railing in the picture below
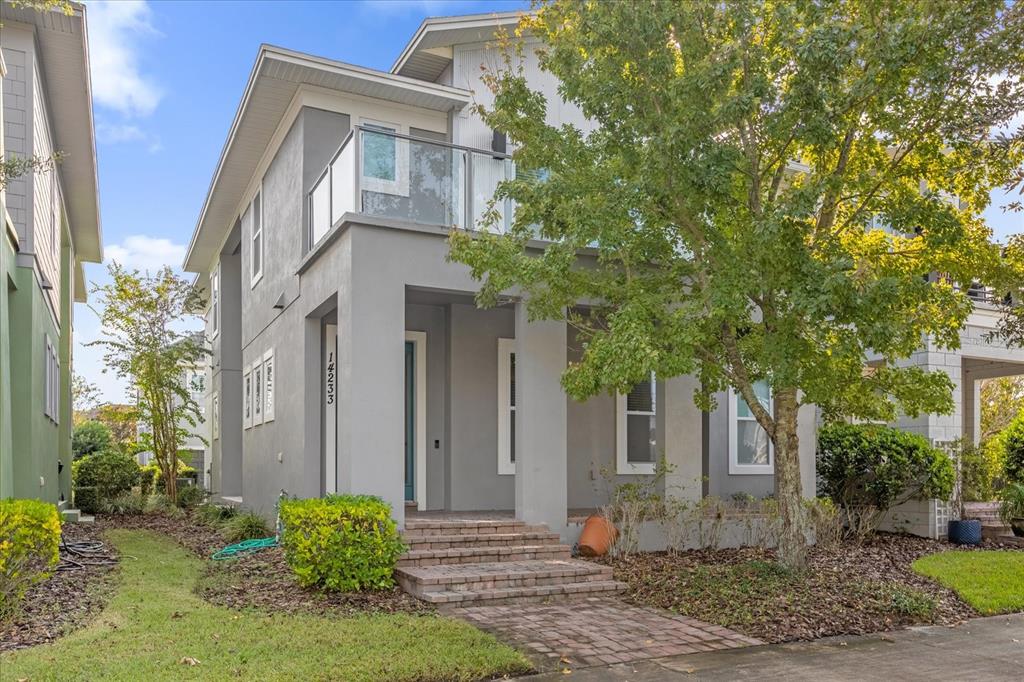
(384, 174)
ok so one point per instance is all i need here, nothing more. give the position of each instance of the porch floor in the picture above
(573, 516)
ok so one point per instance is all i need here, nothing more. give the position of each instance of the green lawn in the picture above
(990, 581)
(155, 621)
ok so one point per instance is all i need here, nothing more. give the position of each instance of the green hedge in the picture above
(341, 542)
(868, 466)
(1013, 443)
(29, 541)
(102, 477)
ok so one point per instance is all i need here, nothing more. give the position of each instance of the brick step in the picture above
(499, 575)
(479, 555)
(519, 595)
(482, 540)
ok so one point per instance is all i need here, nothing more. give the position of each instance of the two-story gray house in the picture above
(348, 354)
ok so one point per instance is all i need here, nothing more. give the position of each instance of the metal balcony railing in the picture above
(378, 172)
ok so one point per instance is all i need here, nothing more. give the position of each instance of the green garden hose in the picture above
(245, 547)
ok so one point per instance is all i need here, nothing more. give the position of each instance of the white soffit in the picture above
(276, 77)
(422, 58)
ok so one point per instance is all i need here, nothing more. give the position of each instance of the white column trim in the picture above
(419, 340)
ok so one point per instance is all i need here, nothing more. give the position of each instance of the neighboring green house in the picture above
(50, 226)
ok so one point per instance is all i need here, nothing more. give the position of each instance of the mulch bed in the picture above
(263, 580)
(849, 589)
(66, 601)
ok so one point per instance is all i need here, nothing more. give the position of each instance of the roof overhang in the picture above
(429, 51)
(273, 83)
(63, 48)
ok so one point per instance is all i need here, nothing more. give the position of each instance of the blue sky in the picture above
(167, 79)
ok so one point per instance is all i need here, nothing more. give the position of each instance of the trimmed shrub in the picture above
(215, 514)
(126, 504)
(102, 477)
(147, 475)
(90, 437)
(868, 468)
(29, 549)
(1013, 444)
(190, 496)
(245, 526)
(980, 468)
(341, 542)
(153, 477)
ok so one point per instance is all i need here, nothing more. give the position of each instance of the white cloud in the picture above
(117, 133)
(116, 31)
(144, 253)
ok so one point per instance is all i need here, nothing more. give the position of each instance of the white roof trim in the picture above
(436, 27)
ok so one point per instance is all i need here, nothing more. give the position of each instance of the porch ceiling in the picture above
(991, 369)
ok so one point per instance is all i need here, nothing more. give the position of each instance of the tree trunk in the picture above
(792, 537)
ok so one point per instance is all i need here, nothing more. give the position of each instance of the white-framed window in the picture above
(257, 393)
(506, 406)
(636, 429)
(256, 250)
(51, 381)
(215, 414)
(750, 449)
(215, 302)
(268, 386)
(384, 158)
(247, 397)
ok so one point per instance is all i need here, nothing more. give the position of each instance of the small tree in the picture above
(84, 395)
(1002, 399)
(90, 437)
(741, 151)
(122, 420)
(142, 317)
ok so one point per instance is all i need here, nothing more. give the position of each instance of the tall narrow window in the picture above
(506, 406)
(637, 429)
(215, 303)
(268, 386)
(750, 451)
(247, 398)
(257, 393)
(215, 414)
(256, 260)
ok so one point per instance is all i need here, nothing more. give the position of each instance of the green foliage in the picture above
(153, 480)
(142, 316)
(125, 504)
(867, 468)
(215, 514)
(341, 542)
(190, 496)
(160, 504)
(1012, 502)
(147, 475)
(29, 540)
(90, 437)
(1013, 443)
(245, 526)
(101, 477)
(979, 468)
(733, 156)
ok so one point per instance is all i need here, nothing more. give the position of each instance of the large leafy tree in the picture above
(145, 340)
(739, 152)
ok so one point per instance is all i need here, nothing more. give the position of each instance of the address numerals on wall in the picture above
(258, 391)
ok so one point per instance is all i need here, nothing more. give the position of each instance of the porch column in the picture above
(541, 413)
(371, 385)
(683, 439)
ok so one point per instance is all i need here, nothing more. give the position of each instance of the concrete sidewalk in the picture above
(982, 649)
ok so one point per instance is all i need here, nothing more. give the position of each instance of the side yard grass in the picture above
(990, 581)
(157, 628)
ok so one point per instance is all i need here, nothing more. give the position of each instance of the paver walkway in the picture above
(982, 650)
(599, 631)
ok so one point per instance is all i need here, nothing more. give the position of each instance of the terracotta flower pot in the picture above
(597, 537)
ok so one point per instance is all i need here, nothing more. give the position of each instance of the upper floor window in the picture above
(636, 429)
(506, 406)
(750, 450)
(215, 302)
(256, 260)
(385, 158)
(51, 381)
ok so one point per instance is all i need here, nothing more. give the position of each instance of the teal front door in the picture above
(410, 421)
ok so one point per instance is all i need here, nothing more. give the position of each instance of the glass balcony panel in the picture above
(320, 209)
(418, 181)
(343, 179)
(488, 172)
